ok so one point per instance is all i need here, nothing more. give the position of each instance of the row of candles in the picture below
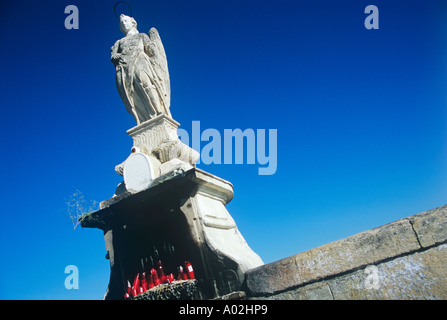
(143, 282)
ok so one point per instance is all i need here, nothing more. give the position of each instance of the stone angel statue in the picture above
(142, 76)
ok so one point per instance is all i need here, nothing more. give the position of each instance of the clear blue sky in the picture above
(360, 116)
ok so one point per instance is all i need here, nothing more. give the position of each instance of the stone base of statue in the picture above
(158, 137)
(163, 152)
(180, 217)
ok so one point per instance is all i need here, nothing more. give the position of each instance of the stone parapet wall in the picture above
(405, 259)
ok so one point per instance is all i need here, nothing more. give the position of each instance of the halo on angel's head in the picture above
(116, 4)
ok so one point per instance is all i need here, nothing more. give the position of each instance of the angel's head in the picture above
(127, 23)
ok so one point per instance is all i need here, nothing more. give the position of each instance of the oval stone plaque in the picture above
(138, 172)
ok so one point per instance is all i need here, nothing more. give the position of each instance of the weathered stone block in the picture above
(321, 292)
(341, 256)
(421, 275)
(356, 251)
(431, 226)
(273, 277)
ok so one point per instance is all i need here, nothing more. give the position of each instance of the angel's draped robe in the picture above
(142, 89)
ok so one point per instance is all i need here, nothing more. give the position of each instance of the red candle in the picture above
(155, 277)
(189, 270)
(144, 282)
(136, 285)
(151, 281)
(161, 272)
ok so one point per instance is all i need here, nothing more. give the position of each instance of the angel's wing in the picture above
(161, 63)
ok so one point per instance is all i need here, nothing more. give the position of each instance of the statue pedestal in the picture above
(184, 210)
(158, 137)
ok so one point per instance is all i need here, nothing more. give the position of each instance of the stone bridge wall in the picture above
(405, 259)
